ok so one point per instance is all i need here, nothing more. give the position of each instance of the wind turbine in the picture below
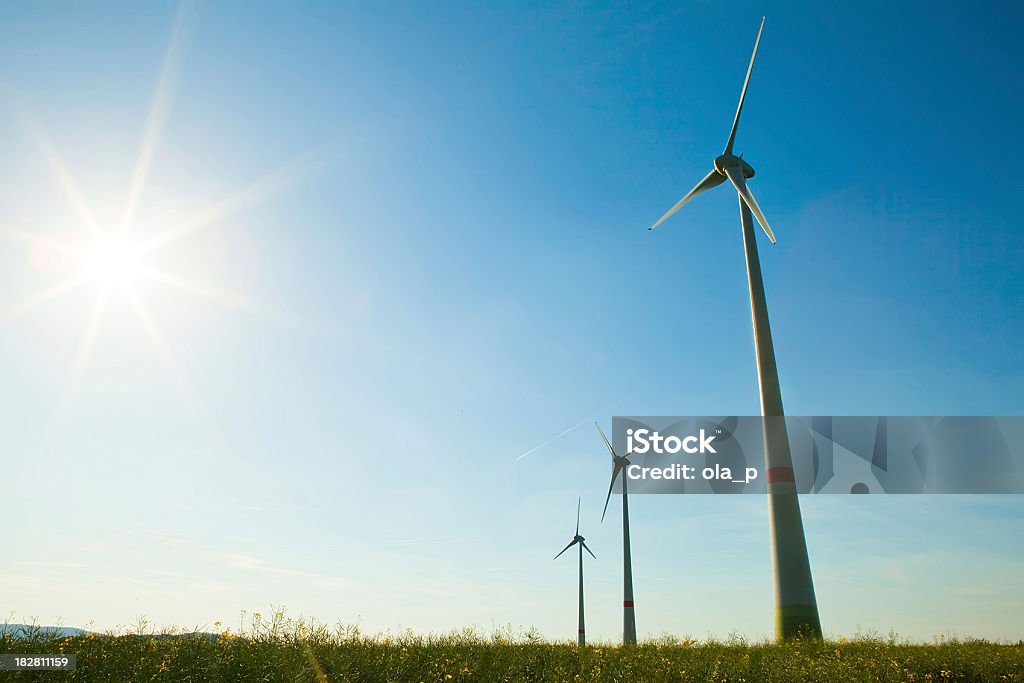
(577, 539)
(619, 463)
(796, 610)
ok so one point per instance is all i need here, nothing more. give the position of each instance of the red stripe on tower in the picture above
(780, 474)
(627, 603)
(582, 631)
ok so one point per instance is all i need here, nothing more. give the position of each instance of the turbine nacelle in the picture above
(619, 463)
(732, 161)
(577, 538)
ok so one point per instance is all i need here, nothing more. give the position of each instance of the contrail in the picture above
(554, 438)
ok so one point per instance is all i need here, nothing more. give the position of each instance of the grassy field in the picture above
(281, 650)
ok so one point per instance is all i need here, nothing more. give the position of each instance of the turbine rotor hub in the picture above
(726, 160)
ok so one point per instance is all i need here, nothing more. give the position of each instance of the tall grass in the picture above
(283, 649)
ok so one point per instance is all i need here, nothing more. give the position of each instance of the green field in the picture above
(285, 650)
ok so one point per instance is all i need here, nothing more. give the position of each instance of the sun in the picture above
(113, 262)
(117, 258)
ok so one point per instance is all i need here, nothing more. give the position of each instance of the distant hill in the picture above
(27, 630)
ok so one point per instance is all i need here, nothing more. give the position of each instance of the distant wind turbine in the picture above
(796, 610)
(619, 463)
(577, 539)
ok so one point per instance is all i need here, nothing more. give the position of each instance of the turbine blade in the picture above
(605, 439)
(571, 544)
(712, 179)
(584, 544)
(743, 93)
(736, 176)
(615, 473)
(578, 501)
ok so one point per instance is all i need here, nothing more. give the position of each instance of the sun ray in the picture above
(41, 297)
(178, 379)
(157, 338)
(29, 239)
(162, 101)
(61, 173)
(253, 193)
(216, 294)
(85, 349)
(18, 236)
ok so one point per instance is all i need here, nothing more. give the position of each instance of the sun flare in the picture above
(113, 262)
(115, 256)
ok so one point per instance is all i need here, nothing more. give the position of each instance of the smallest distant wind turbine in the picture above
(577, 539)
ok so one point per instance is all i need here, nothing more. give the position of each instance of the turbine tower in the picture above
(619, 463)
(577, 539)
(796, 610)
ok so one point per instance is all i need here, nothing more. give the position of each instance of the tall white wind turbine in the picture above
(796, 609)
(577, 539)
(620, 463)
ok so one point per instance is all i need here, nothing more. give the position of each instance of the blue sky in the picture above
(424, 252)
